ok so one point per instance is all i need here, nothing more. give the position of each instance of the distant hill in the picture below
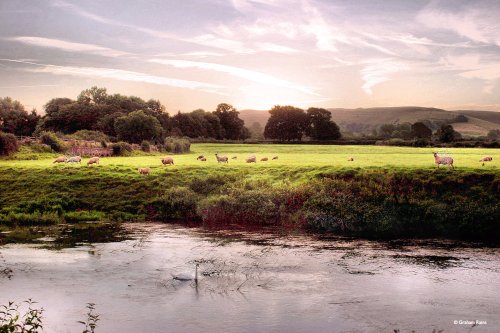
(363, 120)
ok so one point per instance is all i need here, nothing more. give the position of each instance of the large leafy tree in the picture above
(446, 133)
(231, 123)
(138, 126)
(286, 123)
(321, 126)
(420, 130)
(94, 109)
(15, 119)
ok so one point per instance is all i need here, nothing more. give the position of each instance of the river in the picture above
(255, 282)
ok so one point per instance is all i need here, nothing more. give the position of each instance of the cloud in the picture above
(474, 66)
(379, 71)
(68, 46)
(478, 24)
(238, 72)
(122, 75)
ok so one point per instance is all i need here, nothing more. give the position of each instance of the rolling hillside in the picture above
(365, 120)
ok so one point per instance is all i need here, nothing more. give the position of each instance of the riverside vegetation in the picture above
(386, 192)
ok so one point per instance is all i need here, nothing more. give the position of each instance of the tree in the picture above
(420, 131)
(386, 130)
(230, 122)
(494, 134)
(8, 144)
(286, 123)
(15, 119)
(446, 134)
(256, 131)
(137, 126)
(94, 109)
(321, 127)
(93, 95)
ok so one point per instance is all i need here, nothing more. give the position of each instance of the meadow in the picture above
(292, 155)
(386, 192)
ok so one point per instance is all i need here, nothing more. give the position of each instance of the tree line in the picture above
(132, 119)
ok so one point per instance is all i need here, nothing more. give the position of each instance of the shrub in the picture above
(177, 145)
(83, 216)
(240, 206)
(121, 149)
(89, 135)
(145, 146)
(53, 141)
(30, 219)
(8, 144)
(178, 203)
(421, 142)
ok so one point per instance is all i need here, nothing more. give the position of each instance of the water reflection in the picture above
(267, 281)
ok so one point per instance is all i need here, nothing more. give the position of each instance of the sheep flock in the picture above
(439, 160)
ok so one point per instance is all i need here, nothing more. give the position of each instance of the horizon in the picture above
(255, 54)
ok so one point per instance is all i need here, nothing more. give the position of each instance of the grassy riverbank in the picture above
(386, 192)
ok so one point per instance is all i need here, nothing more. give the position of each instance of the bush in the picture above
(8, 144)
(178, 203)
(421, 142)
(145, 146)
(30, 219)
(53, 141)
(240, 206)
(121, 149)
(177, 145)
(89, 135)
(83, 216)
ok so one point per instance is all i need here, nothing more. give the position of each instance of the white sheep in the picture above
(222, 158)
(264, 159)
(167, 160)
(251, 159)
(60, 159)
(444, 160)
(74, 159)
(144, 171)
(486, 159)
(93, 160)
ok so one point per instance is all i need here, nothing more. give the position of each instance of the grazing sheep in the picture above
(201, 157)
(234, 157)
(264, 159)
(144, 171)
(167, 160)
(60, 159)
(350, 159)
(275, 157)
(221, 158)
(486, 159)
(251, 159)
(74, 159)
(445, 160)
(93, 160)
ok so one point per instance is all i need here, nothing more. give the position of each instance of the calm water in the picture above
(251, 282)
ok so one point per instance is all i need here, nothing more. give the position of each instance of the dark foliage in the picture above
(286, 123)
(15, 119)
(53, 141)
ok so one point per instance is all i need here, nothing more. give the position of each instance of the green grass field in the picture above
(384, 192)
(289, 156)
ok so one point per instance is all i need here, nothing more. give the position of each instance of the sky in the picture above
(255, 54)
